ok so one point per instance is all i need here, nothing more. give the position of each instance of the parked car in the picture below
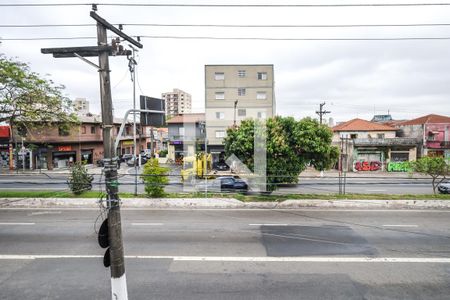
(444, 188)
(224, 184)
(220, 166)
(126, 157)
(101, 163)
(130, 162)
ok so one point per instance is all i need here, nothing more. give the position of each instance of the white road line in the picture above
(269, 224)
(45, 213)
(247, 258)
(147, 224)
(400, 225)
(12, 223)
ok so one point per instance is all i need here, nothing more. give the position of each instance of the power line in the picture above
(231, 25)
(230, 5)
(236, 38)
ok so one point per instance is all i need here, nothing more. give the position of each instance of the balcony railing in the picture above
(438, 144)
(386, 142)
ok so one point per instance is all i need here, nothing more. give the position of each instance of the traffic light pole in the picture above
(118, 278)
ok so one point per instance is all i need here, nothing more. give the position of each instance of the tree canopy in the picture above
(291, 146)
(436, 167)
(29, 100)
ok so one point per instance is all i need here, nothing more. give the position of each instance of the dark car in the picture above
(130, 162)
(444, 188)
(221, 166)
(126, 157)
(101, 163)
(224, 184)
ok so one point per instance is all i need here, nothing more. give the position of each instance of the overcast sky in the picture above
(355, 78)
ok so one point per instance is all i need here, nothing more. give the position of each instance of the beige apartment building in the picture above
(177, 102)
(234, 93)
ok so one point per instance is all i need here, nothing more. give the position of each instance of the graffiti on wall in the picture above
(367, 166)
(400, 166)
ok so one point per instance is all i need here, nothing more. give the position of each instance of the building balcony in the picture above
(438, 144)
(386, 142)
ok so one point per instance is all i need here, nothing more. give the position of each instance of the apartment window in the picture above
(220, 95)
(181, 131)
(380, 135)
(219, 76)
(242, 112)
(262, 76)
(93, 129)
(261, 95)
(241, 92)
(353, 136)
(220, 133)
(261, 114)
(220, 115)
(83, 129)
(241, 73)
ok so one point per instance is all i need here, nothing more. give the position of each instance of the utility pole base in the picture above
(119, 288)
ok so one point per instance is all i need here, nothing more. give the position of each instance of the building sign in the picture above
(176, 142)
(127, 143)
(64, 148)
(4, 131)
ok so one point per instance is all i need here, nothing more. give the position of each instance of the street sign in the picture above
(153, 119)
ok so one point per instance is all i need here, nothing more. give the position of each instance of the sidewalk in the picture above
(312, 173)
(92, 169)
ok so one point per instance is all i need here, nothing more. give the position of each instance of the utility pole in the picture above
(114, 256)
(235, 106)
(322, 112)
(132, 67)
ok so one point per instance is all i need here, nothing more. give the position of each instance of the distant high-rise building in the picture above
(81, 106)
(177, 102)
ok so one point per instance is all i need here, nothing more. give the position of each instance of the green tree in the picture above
(154, 177)
(436, 167)
(79, 180)
(291, 146)
(28, 100)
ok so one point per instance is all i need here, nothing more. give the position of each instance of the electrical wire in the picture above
(240, 38)
(231, 25)
(342, 5)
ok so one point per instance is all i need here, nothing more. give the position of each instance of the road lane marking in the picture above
(269, 224)
(44, 213)
(400, 225)
(12, 223)
(318, 259)
(147, 224)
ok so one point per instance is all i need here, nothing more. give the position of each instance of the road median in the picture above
(226, 203)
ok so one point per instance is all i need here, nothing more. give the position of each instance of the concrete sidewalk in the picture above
(224, 203)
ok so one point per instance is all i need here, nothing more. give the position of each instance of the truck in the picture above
(196, 166)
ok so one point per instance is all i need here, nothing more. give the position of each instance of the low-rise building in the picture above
(433, 133)
(373, 146)
(186, 135)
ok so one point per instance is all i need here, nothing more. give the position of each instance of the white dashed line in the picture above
(400, 225)
(11, 223)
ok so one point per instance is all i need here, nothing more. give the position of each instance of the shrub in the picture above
(79, 179)
(163, 153)
(155, 177)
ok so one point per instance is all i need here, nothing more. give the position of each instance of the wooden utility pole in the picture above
(114, 256)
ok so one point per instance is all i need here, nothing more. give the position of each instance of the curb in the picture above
(224, 203)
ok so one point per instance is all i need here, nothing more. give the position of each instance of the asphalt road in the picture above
(230, 254)
(388, 185)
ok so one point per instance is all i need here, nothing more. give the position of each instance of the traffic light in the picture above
(103, 241)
